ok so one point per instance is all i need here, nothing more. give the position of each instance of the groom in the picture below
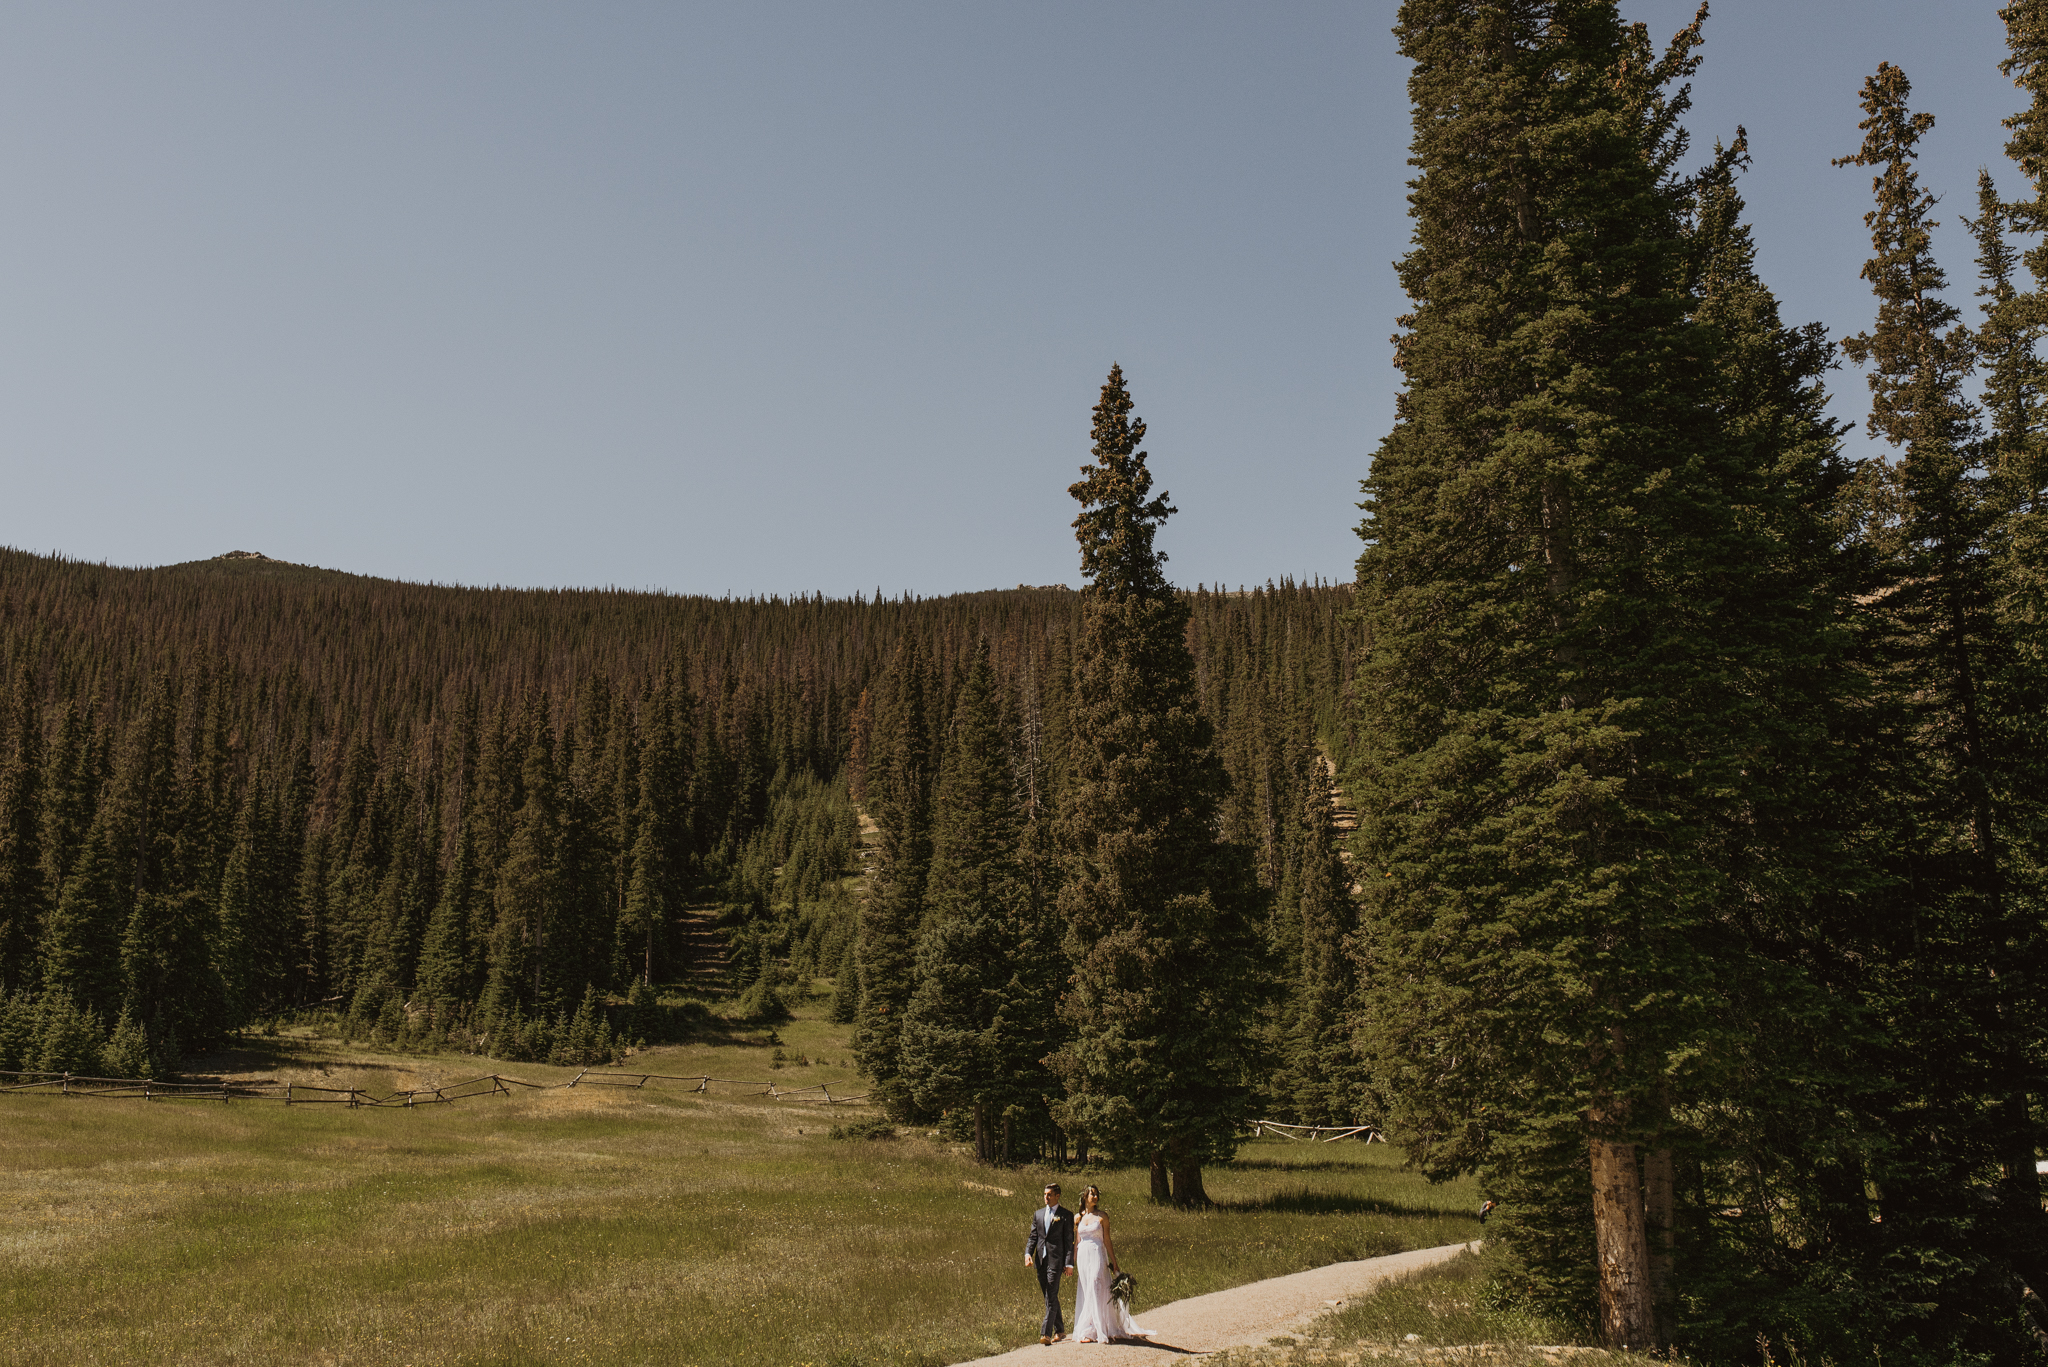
(1050, 1252)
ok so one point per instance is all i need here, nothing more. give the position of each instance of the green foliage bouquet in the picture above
(1122, 1287)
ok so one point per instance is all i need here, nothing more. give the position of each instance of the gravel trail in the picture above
(1239, 1317)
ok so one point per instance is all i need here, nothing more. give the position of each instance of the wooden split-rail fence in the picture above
(306, 1094)
(1318, 1134)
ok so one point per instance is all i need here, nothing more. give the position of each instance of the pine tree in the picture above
(1965, 718)
(233, 946)
(1167, 969)
(22, 885)
(69, 794)
(1564, 730)
(845, 1007)
(988, 967)
(529, 898)
(124, 861)
(1320, 1071)
(448, 972)
(79, 956)
(899, 788)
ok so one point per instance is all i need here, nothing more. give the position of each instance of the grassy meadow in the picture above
(1436, 1316)
(595, 1224)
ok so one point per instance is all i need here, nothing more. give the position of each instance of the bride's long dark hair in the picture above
(1096, 1192)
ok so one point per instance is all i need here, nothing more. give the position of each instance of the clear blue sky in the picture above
(777, 297)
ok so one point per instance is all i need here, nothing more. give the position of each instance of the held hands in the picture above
(1070, 1272)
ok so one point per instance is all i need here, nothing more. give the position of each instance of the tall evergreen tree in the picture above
(988, 959)
(1963, 836)
(1565, 730)
(237, 963)
(1320, 1073)
(122, 865)
(899, 790)
(450, 967)
(530, 898)
(22, 885)
(1167, 969)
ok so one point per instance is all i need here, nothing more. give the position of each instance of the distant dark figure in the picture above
(1485, 1211)
(1050, 1252)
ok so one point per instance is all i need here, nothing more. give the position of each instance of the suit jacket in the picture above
(1052, 1237)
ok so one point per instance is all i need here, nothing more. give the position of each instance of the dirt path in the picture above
(1239, 1317)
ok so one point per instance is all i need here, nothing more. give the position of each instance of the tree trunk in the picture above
(1009, 1149)
(1660, 1210)
(1627, 1317)
(1162, 1193)
(1187, 1183)
(981, 1153)
(2019, 1191)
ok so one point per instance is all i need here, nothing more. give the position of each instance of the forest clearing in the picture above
(595, 1225)
(1648, 838)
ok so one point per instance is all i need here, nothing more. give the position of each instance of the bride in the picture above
(1098, 1316)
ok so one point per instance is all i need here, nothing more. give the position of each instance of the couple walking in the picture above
(1063, 1244)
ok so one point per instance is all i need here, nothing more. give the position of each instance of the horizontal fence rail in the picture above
(307, 1094)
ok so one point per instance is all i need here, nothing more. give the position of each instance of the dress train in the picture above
(1098, 1316)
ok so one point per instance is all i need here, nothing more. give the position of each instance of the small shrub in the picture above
(864, 1129)
(762, 1002)
(20, 1022)
(69, 1040)
(126, 1052)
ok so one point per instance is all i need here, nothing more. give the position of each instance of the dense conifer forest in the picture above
(238, 788)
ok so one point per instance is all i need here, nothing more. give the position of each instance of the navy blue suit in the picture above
(1051, 1250)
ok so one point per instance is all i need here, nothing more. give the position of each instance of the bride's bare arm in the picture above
(1108, 1244)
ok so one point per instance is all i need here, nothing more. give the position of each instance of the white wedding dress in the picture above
(1098, 1316)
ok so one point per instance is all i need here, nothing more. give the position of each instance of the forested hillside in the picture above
(237, 788)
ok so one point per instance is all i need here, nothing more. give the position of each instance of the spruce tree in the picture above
(1963, 838)
(69, 791)
(1566, 724)
(988, 961)
(122, 864)
(1320, 1072)
(1162, 936)
(236, 962)
(899, 790)
(22, 885)
(448, 972)
(530, 896)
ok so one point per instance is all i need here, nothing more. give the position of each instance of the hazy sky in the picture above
(776, 297)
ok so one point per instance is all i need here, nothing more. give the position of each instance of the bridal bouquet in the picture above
(1122, 1287)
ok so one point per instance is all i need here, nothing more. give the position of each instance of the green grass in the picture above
(595, 1225)
(1434, 1316)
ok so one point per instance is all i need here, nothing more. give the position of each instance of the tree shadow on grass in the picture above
(1295, 1165)
(1303, 1201)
